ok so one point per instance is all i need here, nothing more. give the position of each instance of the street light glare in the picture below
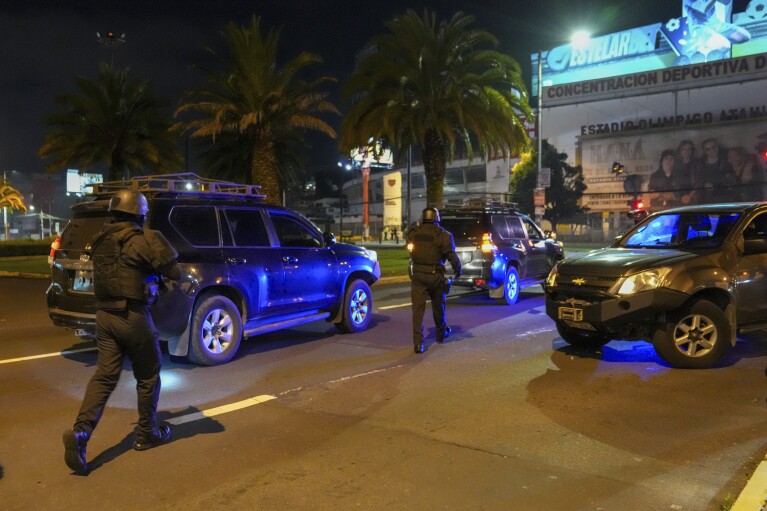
(580, 39)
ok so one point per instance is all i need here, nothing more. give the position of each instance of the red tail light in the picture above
(487, 243)
(54, 247)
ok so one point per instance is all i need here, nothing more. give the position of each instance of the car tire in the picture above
(511, 286)
(358, 307)
(581, 338)
(216, 331)
(695, 337)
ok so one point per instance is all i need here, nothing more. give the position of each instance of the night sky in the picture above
(45, 44)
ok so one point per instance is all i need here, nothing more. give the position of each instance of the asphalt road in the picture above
(504, 416)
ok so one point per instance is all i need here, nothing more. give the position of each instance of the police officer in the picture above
(128, 262)
(430, 245)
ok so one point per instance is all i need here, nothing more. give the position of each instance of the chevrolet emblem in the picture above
(579, 281)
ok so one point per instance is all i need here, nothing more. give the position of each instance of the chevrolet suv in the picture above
(247, 267)
(686, 279)
(501, 250)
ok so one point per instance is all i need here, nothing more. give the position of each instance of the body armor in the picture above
(427, 253)
(113, 279)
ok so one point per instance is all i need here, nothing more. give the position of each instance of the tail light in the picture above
(54, 247)
(487, 246)
(410, 246)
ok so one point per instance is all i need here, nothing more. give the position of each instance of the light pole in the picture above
(345, 167)
(112, 42)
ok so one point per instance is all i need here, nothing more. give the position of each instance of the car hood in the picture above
(614, 262)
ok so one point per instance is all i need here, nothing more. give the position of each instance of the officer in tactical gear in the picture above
(430, 245)
(128, 262)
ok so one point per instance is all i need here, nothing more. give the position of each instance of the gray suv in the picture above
(501, 250)
(247, 267)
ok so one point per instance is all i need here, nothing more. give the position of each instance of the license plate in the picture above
(83, 281)
(570, 314)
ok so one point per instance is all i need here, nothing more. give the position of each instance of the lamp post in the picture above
(345, 167)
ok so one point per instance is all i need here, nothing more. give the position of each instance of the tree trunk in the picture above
(264, 171)
(434, 162)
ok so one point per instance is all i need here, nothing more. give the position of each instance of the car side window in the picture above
(500, 226)
(197, 224)
(757, 228)
(247, 227)
(515, 227)
(532, 230)
(293, 233)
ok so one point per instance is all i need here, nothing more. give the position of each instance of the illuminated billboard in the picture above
(707, 31)
(82, 183)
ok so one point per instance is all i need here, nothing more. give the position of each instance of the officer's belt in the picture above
(428, 268)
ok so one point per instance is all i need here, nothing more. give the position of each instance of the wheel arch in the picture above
(179, 346)
(722, 299)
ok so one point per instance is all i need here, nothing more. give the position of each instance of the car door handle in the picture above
(236, 260)
(289, 259)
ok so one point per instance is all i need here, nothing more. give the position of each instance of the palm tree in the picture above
(11, 198)
(112, 121)
(258, 103)
(434, 86)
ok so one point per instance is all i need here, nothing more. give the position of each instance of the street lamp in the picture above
(345, 168)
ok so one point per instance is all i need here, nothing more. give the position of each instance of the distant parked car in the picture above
(501, 250)
(248, 267)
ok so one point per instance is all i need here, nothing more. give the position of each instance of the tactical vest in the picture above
(426, 249)
(113, 279)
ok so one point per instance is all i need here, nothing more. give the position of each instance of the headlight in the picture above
(551, 280)
(643, 281)
(372, 254)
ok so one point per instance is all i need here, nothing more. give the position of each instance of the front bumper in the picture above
(613, 314)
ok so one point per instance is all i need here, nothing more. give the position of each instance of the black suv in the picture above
(686, 279)
(247, 267)
(501, 250)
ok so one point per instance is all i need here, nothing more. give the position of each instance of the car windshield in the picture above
(691, 230)
(81, 229)
(464, 229)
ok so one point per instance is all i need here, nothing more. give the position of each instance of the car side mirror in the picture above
(329, 238)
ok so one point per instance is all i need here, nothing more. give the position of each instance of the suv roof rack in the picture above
(484, 205)
(186, 183)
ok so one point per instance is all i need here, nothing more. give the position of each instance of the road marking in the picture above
(212, 412)
(46, 355)
(408, 303)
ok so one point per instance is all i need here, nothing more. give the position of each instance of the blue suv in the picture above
(247, 267)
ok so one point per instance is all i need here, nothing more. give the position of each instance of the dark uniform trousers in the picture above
(422, 287)
(128, 332)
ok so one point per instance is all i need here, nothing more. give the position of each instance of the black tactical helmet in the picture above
(129, 201)
(430, 215)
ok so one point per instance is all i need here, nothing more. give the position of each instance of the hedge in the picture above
(28, 247)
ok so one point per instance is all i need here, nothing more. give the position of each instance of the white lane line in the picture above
(408, 304)
(212, 412)
(46, 355)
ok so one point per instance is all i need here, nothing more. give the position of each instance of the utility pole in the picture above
(112, 42)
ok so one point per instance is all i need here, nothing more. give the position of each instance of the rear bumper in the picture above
(73, 320)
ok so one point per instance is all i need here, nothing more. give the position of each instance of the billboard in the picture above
(707, 31)
(81, 183)
(392, 197)
(667, 167)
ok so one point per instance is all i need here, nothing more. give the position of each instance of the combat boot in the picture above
(419, 348)
(160, 435)
(445, 334)
(75, 443)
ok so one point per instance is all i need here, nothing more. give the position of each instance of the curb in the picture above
(754, 495)
(24, 275)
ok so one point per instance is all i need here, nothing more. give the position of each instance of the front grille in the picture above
(574, 282)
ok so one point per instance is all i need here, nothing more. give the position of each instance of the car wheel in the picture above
(216, 331)
(581, 338)
(511, 286)
(695, 337)
(358, 306)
